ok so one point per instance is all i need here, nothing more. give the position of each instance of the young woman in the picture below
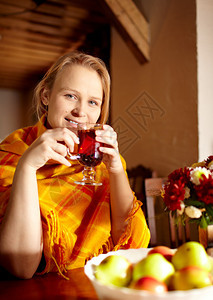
(48, 223)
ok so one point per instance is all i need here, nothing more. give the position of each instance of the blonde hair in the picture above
(74, 58)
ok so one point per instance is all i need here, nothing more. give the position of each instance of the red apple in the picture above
(149, 284)
(163, 250)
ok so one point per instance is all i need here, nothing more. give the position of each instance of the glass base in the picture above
(85, 182)
(88, 178)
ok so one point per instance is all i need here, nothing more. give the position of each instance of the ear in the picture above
(45, 96)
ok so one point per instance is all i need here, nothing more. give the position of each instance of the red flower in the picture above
(175, 188)
(204, 190)
(174, 194)
(182, 175)
(175, 191)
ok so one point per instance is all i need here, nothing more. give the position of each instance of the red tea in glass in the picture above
(88, 152)
(88, 149)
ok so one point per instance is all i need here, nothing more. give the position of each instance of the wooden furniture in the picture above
(48, 287)
(164, 230)
(137, 176)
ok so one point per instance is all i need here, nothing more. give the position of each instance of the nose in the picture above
(79, 110)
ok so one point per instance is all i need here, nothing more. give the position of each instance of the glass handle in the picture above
(72, 156)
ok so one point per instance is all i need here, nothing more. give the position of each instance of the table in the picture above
(49, 286)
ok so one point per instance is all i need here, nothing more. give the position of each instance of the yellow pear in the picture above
(190, 278)
(191, 254)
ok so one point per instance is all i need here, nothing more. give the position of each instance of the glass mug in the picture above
(89, 154)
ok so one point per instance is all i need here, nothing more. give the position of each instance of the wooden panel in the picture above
(132, 26)
(32, 37)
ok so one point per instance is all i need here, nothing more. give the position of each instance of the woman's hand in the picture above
(111, 156)
(52, 144)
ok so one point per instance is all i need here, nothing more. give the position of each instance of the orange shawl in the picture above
(75, 219)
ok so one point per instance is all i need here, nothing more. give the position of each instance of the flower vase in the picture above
(206, 238)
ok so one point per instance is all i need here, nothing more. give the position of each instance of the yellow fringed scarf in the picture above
(75, 219)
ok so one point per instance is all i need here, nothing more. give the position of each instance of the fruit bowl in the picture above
(107, 292)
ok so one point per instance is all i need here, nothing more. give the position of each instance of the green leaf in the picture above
(195, 203)
(203, 222)
(209, 210)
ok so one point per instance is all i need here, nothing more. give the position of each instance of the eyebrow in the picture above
(75, 91)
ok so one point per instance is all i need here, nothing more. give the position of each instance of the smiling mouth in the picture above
(72, 122)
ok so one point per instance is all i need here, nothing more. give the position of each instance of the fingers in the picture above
(59, 148)
(64, 142)
(107, 136)
(60, 158)
(63, 135)
(111, 156)
(54, 144)
(110, 151)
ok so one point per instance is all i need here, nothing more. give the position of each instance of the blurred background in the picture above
(159, 54)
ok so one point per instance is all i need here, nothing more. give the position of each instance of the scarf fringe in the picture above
(106, 247)
(125, 237)
(59, 270)
(56, 248)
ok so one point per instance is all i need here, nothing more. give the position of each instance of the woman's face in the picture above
(76, 97)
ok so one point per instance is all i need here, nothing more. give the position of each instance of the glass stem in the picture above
(88, 174)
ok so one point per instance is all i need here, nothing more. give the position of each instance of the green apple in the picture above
(114, 269)
(149, 284)
(190, 278)
(191, 254)
(154, 265)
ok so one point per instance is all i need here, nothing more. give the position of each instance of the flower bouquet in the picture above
(188, 193)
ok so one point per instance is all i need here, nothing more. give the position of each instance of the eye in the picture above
(93, 102)
(71, 96)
